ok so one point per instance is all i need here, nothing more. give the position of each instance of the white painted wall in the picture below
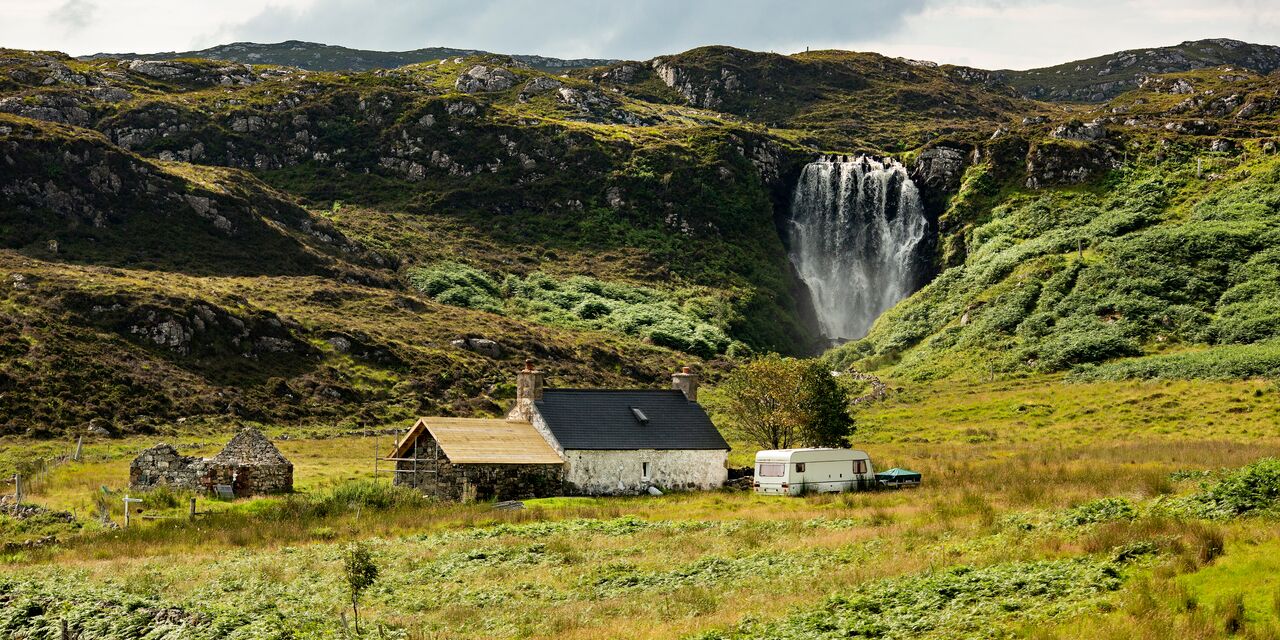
(611, 472)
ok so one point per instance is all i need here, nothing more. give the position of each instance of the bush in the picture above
(587, 303)
(1101, 510)
(1253, 488)
(1216, 363)
(458, 285)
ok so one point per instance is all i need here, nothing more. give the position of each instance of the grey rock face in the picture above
(538, 86)
(482, 78)
(1064, 164)
(1084, 131)
(482, 346)
(939, 168)
(164, 70)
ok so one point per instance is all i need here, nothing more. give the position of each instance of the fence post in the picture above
(128, 501)
(193, 508)
(79, 447)
(375, 457)
(17, 488)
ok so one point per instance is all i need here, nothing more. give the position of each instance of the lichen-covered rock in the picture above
(538, 86)
(1084, 131)
(1060, 163)
(482, 78)
(939, 168)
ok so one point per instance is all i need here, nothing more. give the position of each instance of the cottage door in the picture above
(242, 483)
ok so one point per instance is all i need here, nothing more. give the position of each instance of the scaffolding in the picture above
(430, 464)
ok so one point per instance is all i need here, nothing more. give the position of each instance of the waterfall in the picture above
(856, 227)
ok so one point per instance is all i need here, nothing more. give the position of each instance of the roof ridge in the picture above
(600, 389)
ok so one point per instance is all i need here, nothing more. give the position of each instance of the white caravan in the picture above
(791, 472)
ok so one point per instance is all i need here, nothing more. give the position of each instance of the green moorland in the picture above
(1139, 512)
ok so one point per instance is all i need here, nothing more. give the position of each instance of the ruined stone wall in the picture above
(622, 472)
(161, 465)
(249, 480)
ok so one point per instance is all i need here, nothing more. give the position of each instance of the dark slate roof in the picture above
(603, 419)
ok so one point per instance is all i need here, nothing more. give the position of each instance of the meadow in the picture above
(1050, 509)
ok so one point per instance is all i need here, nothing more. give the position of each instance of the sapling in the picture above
(360, 572)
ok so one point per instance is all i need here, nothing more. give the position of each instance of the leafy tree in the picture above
(777, 403)
(360, 572)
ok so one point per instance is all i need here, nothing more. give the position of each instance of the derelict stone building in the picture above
(249, 464)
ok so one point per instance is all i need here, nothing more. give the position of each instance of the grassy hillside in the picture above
(833, 100)
(628, 215)
(1100, 78)
(338, 189)
(1164, 252)
(314, 56)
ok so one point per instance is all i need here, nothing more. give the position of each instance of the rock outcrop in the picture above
(483, 78)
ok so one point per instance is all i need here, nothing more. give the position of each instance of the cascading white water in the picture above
(856, 226)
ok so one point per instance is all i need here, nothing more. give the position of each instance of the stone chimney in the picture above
(687, 381)
(528, 390)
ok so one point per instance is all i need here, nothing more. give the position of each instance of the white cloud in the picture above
(984, 33)
(578, 28)
(73, 15)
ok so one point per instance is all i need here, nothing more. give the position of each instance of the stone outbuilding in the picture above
(569, 441)
(249, 464)
(252, 465)
(477, 459)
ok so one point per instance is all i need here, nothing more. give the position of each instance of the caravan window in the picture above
(799, 467)
(859, 466)
(772, 470)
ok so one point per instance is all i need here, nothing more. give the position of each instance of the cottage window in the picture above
(799, 467)
(645, 469)
(772, 470)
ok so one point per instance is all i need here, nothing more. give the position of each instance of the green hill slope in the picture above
(202, 239)
(1168, 253)
(324, 57)
(1103, 77)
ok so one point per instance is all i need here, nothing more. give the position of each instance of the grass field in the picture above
(1050, 509)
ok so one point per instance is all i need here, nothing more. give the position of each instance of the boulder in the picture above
(482, 78)
(1083, 131)
(939, 168)
(537, 86)
(482, 346)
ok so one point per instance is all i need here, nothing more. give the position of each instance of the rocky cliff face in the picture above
(1105, 77)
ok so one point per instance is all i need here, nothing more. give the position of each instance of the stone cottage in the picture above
(576, 441)
(250, 464)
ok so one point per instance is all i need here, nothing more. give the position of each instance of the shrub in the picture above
(1255, 487)
(960, 602)
(458, 285)
(583, 302)
(1217, 363)
(1100, 510)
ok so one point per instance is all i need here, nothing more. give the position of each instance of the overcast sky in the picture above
(1015, 34)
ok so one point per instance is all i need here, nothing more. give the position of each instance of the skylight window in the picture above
(640, 416)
